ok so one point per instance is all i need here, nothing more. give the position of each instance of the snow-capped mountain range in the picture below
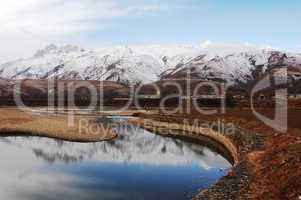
(130, 64)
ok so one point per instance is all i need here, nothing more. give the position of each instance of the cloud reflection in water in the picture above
(138, 165)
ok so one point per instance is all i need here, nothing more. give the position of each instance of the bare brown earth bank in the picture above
(269, 162)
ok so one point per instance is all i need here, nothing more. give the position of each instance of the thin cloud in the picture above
(30, 24)
(57, 17)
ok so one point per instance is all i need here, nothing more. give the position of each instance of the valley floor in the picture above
(267, 164)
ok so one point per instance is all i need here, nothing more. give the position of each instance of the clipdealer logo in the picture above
(279, 78)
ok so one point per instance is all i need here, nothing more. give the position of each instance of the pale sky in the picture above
(28, 25)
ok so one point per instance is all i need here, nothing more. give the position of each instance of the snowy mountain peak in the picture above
(54, 49)
(221, 50)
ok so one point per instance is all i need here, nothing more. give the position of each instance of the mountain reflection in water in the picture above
(137, 165)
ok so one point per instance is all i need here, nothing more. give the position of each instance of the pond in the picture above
(138, 165)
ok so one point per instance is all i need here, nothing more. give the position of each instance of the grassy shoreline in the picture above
(15, 122)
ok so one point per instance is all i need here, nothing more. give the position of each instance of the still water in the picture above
(138, 165)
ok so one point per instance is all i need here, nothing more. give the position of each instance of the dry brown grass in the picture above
(17, 122)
